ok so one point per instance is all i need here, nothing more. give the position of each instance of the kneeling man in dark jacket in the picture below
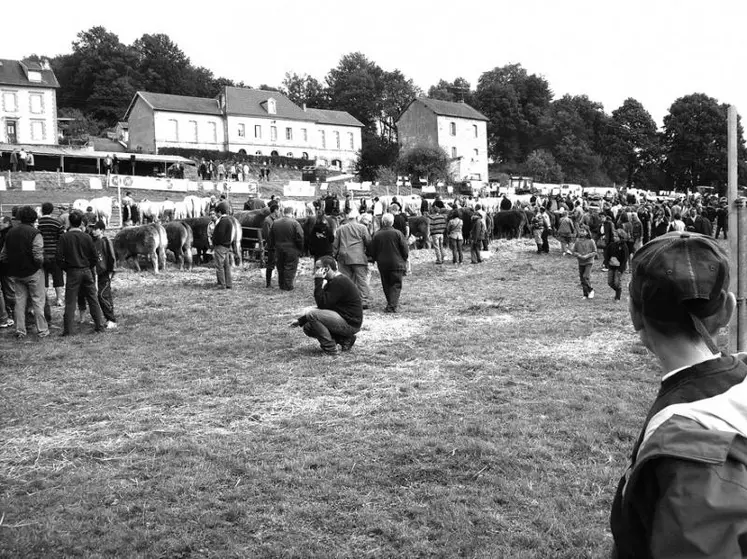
(339, 313)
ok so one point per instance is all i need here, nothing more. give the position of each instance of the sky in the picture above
(655, 51)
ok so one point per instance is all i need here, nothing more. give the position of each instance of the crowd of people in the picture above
(38, 252)
(209, 170)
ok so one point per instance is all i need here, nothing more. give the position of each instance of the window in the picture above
(337, 140)
(35, 76)
(289, 133)
(213, 130)
(474, 128)
(37, 130)
(10, 102)
(351, 140)
(257, 131)
(192, 130)
(172, 130)
(289, 154)
(36, 103)
(273, 133)
(242, 130)
(322, 139)
(304, 155)
(305, 134)
(271, 106)
(453, 153)
(258, 152)
(452, 128)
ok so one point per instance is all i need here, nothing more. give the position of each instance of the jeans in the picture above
(475, 252)
(584, 272)
(287, 264)
(30, 288)
(391, 281)
(456, 249)
(358, 273)
(80, 280)
(106, 301)
(222, 257)
(438, 247)
(270, 263)
(328, 327)
(614, 280)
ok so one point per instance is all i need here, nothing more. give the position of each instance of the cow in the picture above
(80, 204)
(420, 228)
(181, 210)
(199, 227)
(252, 218)
(238, 234)
(149, 240)
(509, 224)
(102, 208)
(150, 212)
(180, 240)
(193, 205)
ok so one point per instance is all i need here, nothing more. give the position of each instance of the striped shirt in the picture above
(437, 223)
(51, 229)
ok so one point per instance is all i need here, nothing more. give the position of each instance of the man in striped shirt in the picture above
(51, 230)
(437, 226)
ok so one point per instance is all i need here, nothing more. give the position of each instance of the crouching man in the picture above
(339, 313)
(685, 492)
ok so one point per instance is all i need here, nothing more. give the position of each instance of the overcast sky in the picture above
(652, 50)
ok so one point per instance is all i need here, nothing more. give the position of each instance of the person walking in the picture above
(476, 236)
(76, 255)
(104, 272)
(23, 254)
(390, 252)
(286, 239)
(585, 250)
(616, 255)
(350, 249)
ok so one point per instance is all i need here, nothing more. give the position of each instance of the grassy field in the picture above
(492, 418)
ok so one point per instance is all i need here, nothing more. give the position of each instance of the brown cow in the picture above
(149, 240)
(180, 241)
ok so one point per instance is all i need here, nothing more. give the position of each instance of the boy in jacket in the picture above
(104, 272)
(685, 492)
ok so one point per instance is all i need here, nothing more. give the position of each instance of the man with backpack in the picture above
(685, 491)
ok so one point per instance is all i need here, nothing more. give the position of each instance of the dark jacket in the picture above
(389, 249)
(478, 229)
(75, 250)
(223, 232)
(105, 255)
(286, 235)
(685, 492)
(342, 296)
(24, 251)
(321, 239)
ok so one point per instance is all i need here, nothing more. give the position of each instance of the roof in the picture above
(15, 72)
(241, 101)
(448, 108)
(105, 144)
(177, 103)
(69, 151)
(339, 118)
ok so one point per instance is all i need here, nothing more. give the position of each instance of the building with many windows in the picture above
(241, 120)
(460, 130)
(28, 103)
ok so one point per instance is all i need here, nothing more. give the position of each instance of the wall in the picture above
(249, 143)
(185, 138)
(345, 154)
(141, 127)
(417, 126)
(465, 143)
(24, 117)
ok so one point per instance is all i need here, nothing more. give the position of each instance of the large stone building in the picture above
(28, 103)
(241, 120)
(456, 127)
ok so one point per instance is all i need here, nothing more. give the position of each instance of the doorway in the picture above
(11, 131)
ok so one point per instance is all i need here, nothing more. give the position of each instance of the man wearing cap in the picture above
(350, 249)
(222, 239)
(685, 492)
(286, 239)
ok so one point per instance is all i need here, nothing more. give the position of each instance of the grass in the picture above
(492, 417)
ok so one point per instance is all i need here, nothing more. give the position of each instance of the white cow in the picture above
(194, 206)
(102, 207)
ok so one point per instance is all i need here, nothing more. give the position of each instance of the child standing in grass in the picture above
(617, 255)
(585, 250)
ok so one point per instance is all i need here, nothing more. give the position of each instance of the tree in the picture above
(376, 152)
(304, 89)
(630, 142)
(356, 86)
(516, 105)
(162, 65)
(397, 92)
(458, 90)
(575, 137)
(541, 165)
(695, 142)
(431, 163)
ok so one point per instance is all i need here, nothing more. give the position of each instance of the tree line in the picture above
(570, 139)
